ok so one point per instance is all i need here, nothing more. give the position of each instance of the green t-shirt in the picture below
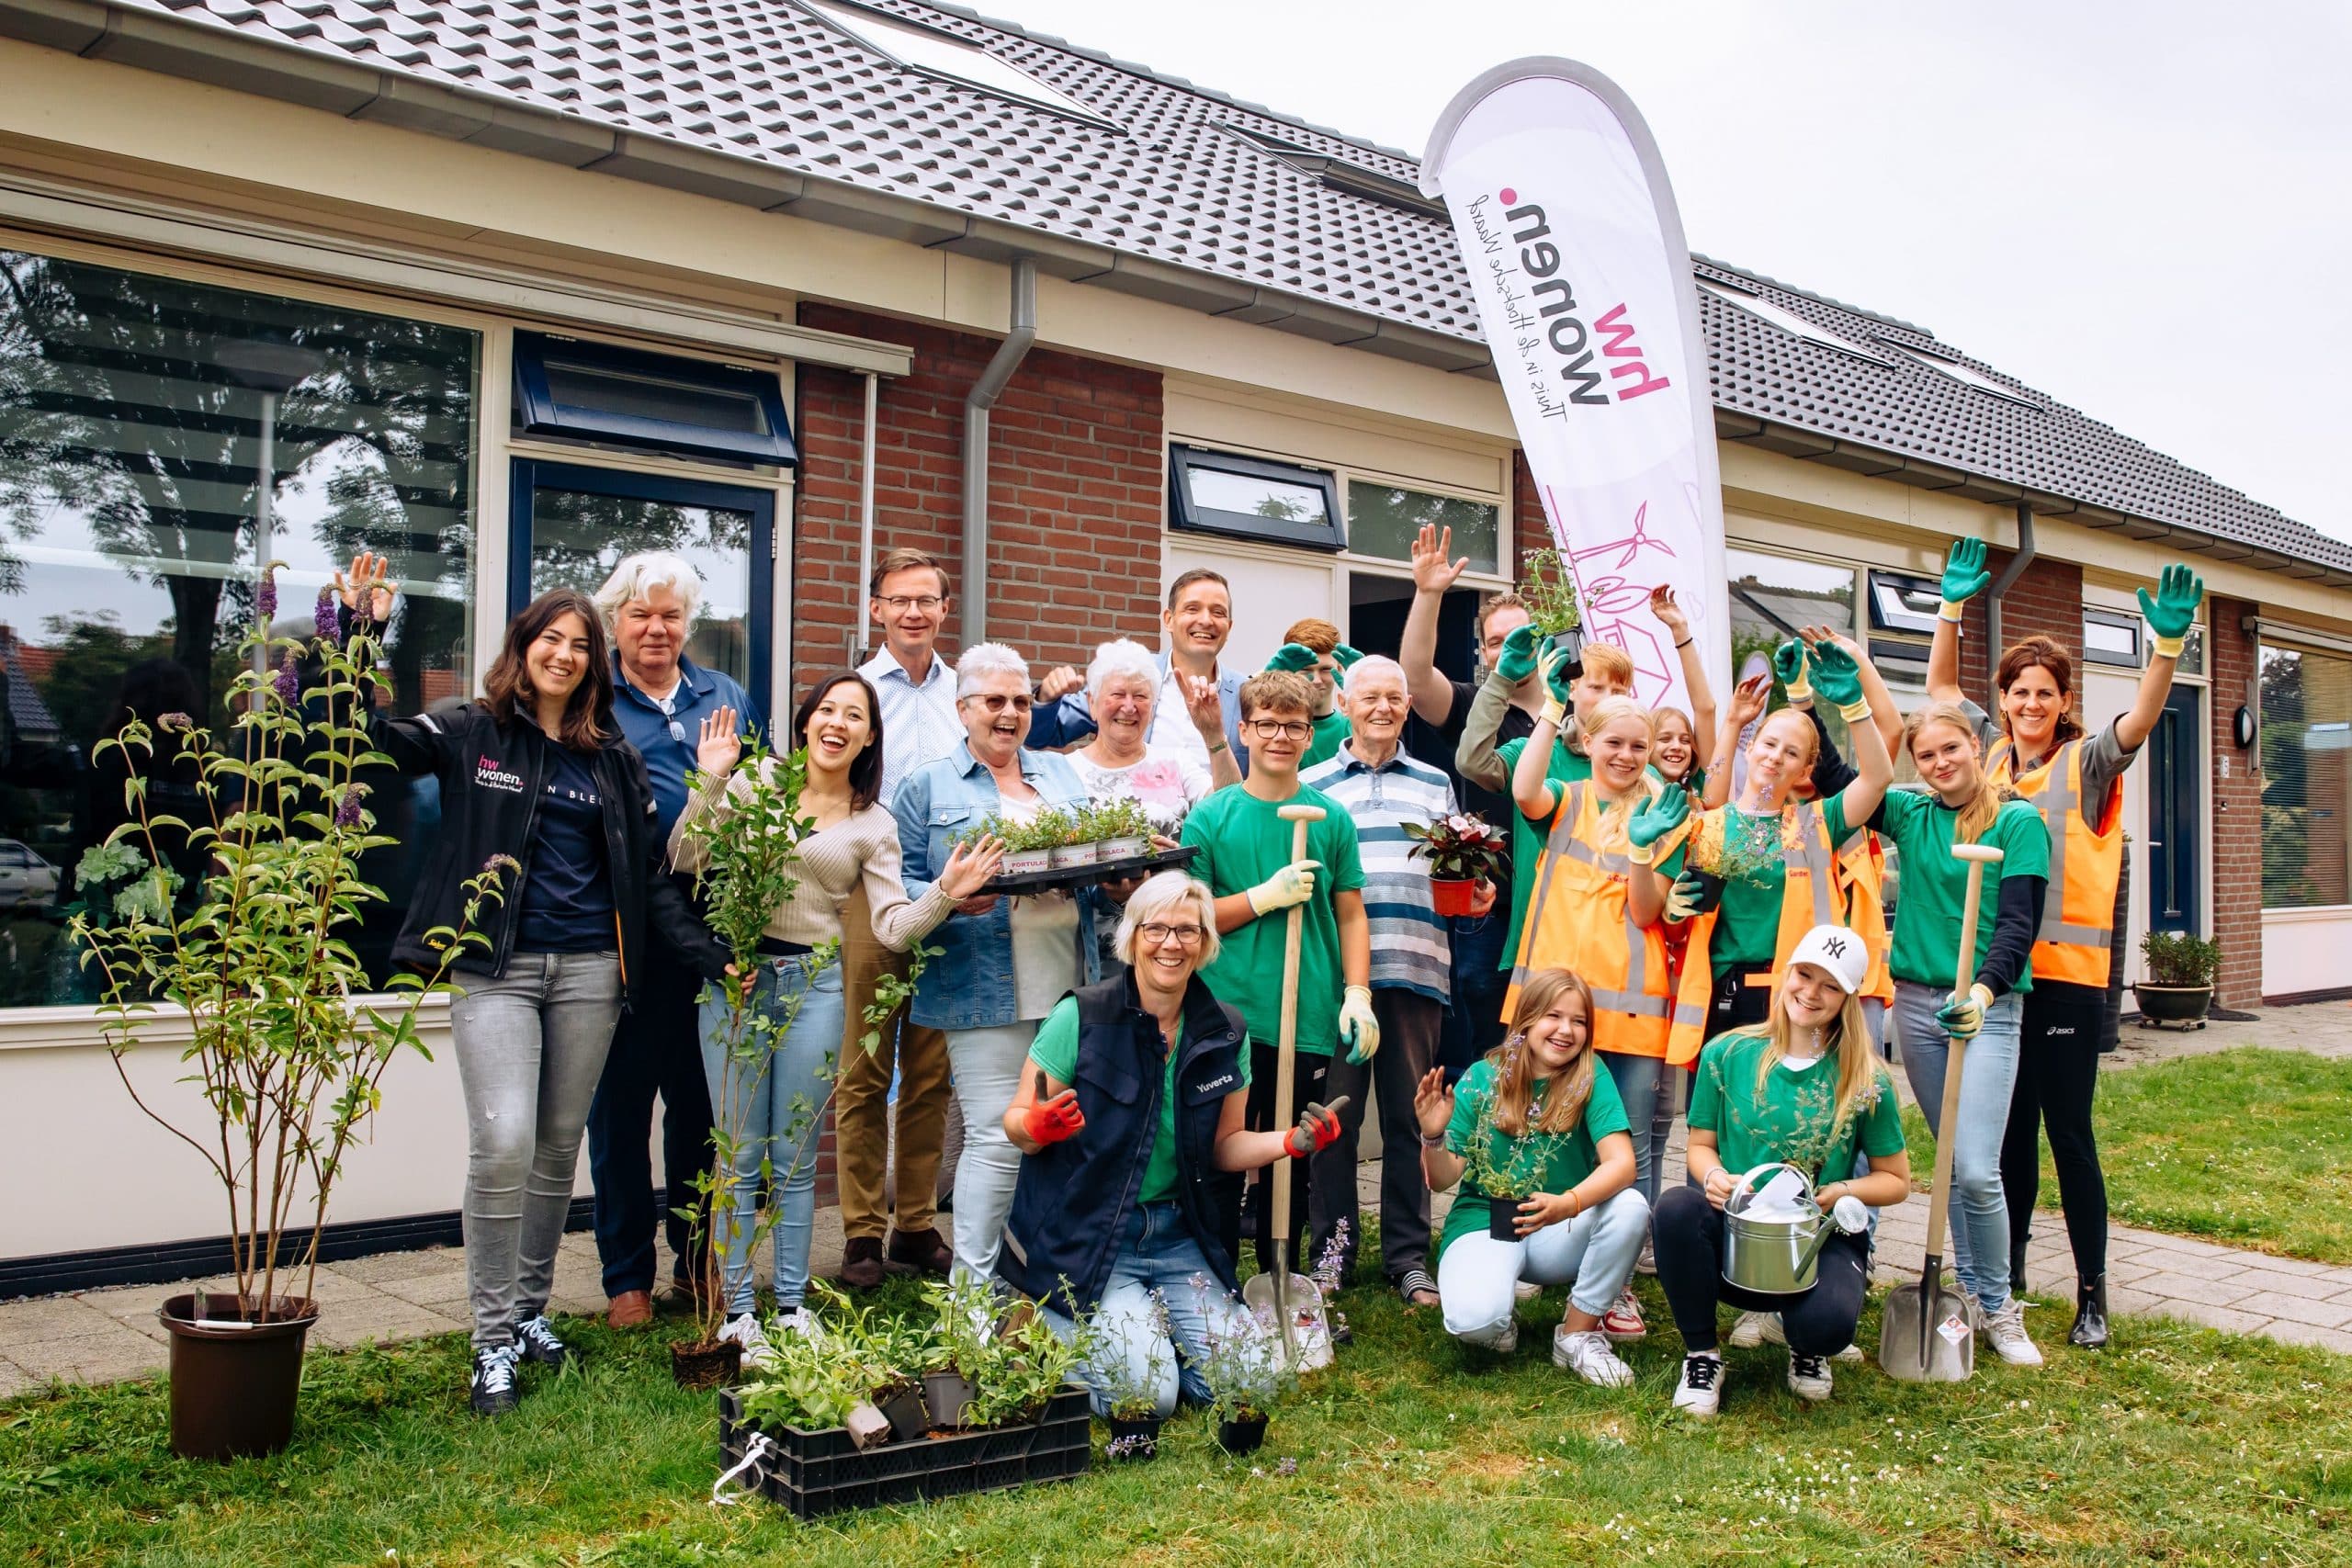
(1331, 732)
(1555, 1161)
(1933, 885)
(1791, 1117)
(1527, 837)
(1056, 1050)
(1242, 842)
(1755, 876)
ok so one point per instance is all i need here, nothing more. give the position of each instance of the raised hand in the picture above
(1518, 660)
(1345, 657)
(1202, 705)
(1431, 573)
(2174, 609)
(1053, 1118)
(1433, 1103)
(1691, 896)
(1660, 815)
(1835, 675)
(1294, 656)
(1317, 1129)
(970, 864)
(1789, 667)
(366, 588)
(1059, 683)
(1749, 699)
(1965, 573)
(1552, 664)
(1670, 613)
(717, 747)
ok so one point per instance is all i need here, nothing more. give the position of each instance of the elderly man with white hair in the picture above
(660, 697)
(1003, 963)
(1384, 788)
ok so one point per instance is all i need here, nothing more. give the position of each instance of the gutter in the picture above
(2009, 574)
(977, 404)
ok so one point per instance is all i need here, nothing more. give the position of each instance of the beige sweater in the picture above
(864, 843)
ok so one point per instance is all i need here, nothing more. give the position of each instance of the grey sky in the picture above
(2139, 208)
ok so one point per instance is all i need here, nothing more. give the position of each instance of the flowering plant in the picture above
(1549, 590)
(256, 964)
(1244, 1362)
(1463, 847)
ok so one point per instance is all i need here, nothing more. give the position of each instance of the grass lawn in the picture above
(2186, 1446)
(2246, 1147)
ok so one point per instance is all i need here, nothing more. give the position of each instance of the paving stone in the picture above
(2292, 1333)
(395, 1265)
(134, 1306)
(2185, 1287)
(2230, 1318)
(2295, 1265)
(439, 1285)
(2264, 1277)
(108, 1355)
(50, 1317)
(2196, 1265)
(388, 1319)
(2123, 1300)
(2320, 1314)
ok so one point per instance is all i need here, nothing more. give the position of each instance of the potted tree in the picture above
(285, 1037)
(1549, 591)
(1462, 850)
(2181, 970)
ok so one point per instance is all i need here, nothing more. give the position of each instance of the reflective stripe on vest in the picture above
(2077, 928)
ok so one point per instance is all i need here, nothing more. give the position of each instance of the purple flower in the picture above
(289, 680)
(324, 617)
(265, 598)
(501, 863)
(348, 814)
(1288, 1466)
(174, 723)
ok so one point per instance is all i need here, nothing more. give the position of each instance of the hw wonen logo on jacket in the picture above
(490, 775)
(1546, 321)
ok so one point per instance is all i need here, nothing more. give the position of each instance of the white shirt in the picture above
(919, 722)
(1172, 734)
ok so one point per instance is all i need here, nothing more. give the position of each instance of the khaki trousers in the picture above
(861, 1096)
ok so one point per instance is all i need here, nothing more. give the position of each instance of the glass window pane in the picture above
(2111, 641)
(579, 537)
(596, 389)
(1253, 496)
(2306, 778)
(1770, 597)
(2192, 653)
(158, 442)
(1383, 519)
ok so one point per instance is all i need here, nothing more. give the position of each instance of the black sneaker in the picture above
(535, 1341)
(492, 1386)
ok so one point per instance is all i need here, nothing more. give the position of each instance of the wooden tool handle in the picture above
(1286, 1051)
(1955, 1057)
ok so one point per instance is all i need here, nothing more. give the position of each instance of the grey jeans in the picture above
(530, 1046)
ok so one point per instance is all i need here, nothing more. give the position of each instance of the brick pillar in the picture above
(2237, 811)
(2045, 600)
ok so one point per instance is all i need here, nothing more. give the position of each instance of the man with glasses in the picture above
(659, 696)
(1245, 858)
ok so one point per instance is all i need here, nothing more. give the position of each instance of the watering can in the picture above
(1774, 1252)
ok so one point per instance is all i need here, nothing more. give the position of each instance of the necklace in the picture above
(1751, 846)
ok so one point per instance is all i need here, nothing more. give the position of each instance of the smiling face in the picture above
(996, 716)
(1554, 1039)
(1200, 620)
(1275, 738)
(1780, 756)
(1619, 750)
(558, 657)
(1809, 997)
(1122, 706)
(651, 633)
(1674, 747)
(2031, 703)
(909, 607)
(1377, 708)
(1945, 755)
(839, 727)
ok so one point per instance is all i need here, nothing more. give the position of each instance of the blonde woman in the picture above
(1804, 1087)
(1549, 1119)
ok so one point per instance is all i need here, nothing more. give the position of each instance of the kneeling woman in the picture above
(1548, 1120)
(1803, 1088)
(1131, 1119)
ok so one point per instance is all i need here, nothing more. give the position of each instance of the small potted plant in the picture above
(2181, 970)
(1506, 1181)
(1123, 827)
(1249, 1373)
(1133, 1375)
(1549, 591)
(1026, 848)
(1462, 850)
(1069, 833)
(1021, 1364)
(956, 1348)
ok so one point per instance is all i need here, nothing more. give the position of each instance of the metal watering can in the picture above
(1769, 1256)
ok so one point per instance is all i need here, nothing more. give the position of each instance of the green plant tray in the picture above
(812, 1472)
(1070, 876)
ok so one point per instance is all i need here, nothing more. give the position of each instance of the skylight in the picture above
(1977, 380)
(939, 54)
(1790, 322)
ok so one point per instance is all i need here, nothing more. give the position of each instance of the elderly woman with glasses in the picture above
(1003, 962)
(1132, 1113)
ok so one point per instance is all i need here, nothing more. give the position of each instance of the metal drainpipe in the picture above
(2009, 574)
(977, 403)
(865, 520)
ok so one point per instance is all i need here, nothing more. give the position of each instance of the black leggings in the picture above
(1687, 1238)
(2057, 1074)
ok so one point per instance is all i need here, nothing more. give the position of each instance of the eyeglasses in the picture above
(1160, 935)
(1287, 729)
(995, 701)
(899, 603)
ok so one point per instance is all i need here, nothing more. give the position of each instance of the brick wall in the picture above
(2237, 811)
(1077, 488)
(2046, 601)
(1529, 528)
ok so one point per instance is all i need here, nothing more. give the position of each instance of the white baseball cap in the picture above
(1836, 951)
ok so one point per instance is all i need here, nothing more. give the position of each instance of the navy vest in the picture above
(1074, 1198)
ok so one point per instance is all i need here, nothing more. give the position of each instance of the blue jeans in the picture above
(1980, 1210)
(1473, 1024)
(768, 1097)
(1596, 1250)
(1640, 1081)
(1138, 1348)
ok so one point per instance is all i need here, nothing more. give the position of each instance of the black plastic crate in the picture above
(822, 1472)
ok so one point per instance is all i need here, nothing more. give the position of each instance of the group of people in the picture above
(1696, 911)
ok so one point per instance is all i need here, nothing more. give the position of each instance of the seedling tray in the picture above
(1068, 876)
(812, 1473)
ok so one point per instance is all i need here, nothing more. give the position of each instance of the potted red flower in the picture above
(1463, 850)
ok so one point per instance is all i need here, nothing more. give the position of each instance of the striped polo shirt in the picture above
(1409, 937)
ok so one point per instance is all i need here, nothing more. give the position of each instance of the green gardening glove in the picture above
(1964, 576)
(1294, 656)
(1836, 676)
(2174, 609)
(1655, 818)
(1518, 660)
(1788, 668)
(1345, 657)
(1558, 676)
(1693, 893)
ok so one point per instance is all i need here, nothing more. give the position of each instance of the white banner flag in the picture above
(1583, 281)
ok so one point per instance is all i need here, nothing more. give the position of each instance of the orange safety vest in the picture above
(1579, 918)
(1820, 886)
(2086, 864)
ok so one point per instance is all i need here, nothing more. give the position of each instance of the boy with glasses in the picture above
(1245, 858)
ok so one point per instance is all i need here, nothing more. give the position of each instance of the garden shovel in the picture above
(1298, 817)
(1916, 1340)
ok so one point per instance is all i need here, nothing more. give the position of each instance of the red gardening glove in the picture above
(1317, 1129)
(1051, 1120)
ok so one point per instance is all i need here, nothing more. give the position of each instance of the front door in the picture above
(2176, 813)
(572, 524)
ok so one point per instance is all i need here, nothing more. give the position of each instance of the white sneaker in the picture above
(1509, 1341)
(1755, 1329)
(1809, 1377)
(744, 1329)
(1622, 1323)
(1852, 1353)
(1526, 1291)
(1586, 1354)
(1647, 1262)
(2004, 1331)
(1701, 1390)
(799, 1321)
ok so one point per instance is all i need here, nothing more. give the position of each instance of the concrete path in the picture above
(102, 1336)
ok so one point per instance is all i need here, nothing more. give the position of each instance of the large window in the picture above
(1382, 520)
(2306, 778)
(159, 441)
(1772, 597)
(1252, 498)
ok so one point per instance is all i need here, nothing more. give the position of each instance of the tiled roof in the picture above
(1214, 220)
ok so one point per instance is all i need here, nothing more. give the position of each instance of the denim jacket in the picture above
(970, 984)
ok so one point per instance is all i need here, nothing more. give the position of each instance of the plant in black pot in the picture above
(1021, 1364)
(2181, 971)
(1504, 1167)
(956, 1348)
(1249, 1372)
(1549, 590)
(252, 975)
(1136, 1363)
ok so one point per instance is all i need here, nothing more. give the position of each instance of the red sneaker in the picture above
(1622, 1323)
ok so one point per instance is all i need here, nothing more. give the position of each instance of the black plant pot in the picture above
(2173, 1004)
(1571, 643)
(234, 1382)
(1134, 1441)
(947, 1394)
(910, 1416)
(1244, 1437)
(1502, 1218)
